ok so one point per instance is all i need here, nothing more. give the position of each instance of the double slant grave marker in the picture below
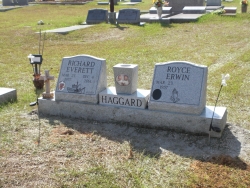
(177, 99)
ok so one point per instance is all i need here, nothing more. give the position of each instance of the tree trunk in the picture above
(112, 6)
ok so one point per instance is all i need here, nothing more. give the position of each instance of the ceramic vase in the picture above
(159, 11)
(243, 8)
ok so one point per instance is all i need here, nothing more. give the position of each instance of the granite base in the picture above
(7, 95)
(196, 124)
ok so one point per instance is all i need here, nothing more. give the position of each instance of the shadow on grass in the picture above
(118, 26)
(153, 143)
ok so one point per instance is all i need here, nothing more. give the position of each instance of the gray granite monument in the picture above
(194, 10)
(179, 87)
(130, 16)
(178, 5)
(81, 79)
(14, 2)
(97, 16)
(213, 2)
(177, 99)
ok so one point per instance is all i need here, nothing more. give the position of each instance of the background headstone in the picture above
(8, 3)
(22, 2)
(81, 79)
(14, 2)
(131, 16)
(97, 16)
(135, 0)
(179, 87)
(213, 2)
(194, 10)
(178, 5)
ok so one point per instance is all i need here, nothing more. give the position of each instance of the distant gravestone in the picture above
(103, 3)
(14, 2)
(179, 87)
(213, 2)
(135, 0)
(97, 16)
(7, 3)
(22, 2)
(194, 10)
(178, 5)
(131, 16)
(81, 79)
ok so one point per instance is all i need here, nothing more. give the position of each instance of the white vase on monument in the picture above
(159, 11)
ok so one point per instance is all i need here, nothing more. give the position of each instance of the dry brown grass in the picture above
(77, 153)
(221, 171)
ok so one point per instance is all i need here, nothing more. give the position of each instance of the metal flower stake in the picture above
(223, 83)
(36, 62)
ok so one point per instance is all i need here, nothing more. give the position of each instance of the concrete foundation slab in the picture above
(149, 18)
(130, 3)
(65, 30)
(213, 7)
(182, 18)
(165, 10)
(232, 10)
(7, 95)
(194, 10)
(103, 3)
(3, 8)
(198, 124)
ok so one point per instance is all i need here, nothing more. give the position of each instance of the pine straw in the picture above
(221, 171)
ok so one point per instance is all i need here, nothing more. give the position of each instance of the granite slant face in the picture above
(213, 2)
(131, 15)
(179, 87)
(97, 16)
(135, 0)
(178, 5)
(81, 79)
(126, 78)
(194, 10)
(14, 3)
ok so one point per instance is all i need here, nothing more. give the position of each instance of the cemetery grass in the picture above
(62, 152)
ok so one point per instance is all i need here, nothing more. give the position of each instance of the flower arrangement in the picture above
(244, 2)
(219, 11)
(160, 3)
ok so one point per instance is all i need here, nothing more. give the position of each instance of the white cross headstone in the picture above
(47, 94)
